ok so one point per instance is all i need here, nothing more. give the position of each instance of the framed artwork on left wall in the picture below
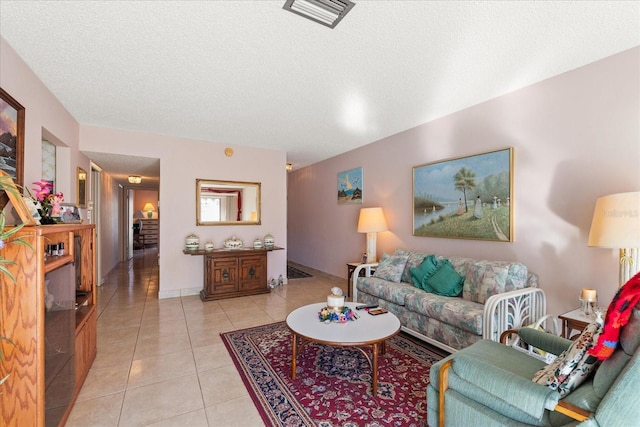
(11, 141)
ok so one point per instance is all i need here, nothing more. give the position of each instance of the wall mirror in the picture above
(227, 202)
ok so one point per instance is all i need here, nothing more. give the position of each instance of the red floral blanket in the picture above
(618, 315)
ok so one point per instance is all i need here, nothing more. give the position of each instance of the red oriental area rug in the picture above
(333, 384)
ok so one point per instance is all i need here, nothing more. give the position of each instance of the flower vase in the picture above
(45, 219)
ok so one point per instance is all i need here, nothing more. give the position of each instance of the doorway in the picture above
(145, 216)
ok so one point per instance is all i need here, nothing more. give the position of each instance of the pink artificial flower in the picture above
(43, 190)
(43, 183)
(56, 199)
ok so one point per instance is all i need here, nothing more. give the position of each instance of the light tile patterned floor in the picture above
(162, 362)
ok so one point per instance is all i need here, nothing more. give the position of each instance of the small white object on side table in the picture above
(367, 330)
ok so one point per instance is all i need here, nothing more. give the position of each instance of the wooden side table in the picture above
(574, 320)
(351, 266)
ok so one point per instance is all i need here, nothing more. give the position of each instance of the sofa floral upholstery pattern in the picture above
(391, 267)
(482, 281)
(456, 312)
(456, 322)
(387, 290)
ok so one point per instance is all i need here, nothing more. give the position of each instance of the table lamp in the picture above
(371, 221)
(148, 208)
(616, 224)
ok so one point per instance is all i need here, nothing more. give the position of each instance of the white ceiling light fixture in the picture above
(135, 179)
(325, 12)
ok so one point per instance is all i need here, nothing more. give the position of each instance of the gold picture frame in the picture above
(81, 196)
(467, 197)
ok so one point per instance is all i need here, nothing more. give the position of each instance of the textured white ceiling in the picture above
(120, 167)
(249, 73)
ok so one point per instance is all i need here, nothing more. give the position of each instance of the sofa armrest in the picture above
(512, 309)
(572, 411)
(513, 390)
(369, 269)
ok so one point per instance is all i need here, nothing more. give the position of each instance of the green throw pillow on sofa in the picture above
(421, 273)
(445, 281)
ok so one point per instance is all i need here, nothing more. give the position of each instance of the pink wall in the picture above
(182, 161)
(109, 227)
(141, 197)
(576, 137)
(44, 114)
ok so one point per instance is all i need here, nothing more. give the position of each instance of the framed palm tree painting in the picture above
(465, 198)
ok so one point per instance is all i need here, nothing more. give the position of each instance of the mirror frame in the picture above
(226, 185)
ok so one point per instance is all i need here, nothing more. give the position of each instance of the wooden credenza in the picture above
(49, 314)
(233, 273)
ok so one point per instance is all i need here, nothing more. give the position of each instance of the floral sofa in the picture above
(493, 296)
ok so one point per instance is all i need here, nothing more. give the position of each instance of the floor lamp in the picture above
(616, 224)
(371, 221)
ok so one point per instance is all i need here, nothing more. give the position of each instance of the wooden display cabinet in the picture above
(49, 315)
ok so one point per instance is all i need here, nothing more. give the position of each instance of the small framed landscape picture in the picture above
(350, 187)
(70, 214)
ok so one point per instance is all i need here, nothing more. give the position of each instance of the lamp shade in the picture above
(148, 207)
(616, 221)
(371, 220)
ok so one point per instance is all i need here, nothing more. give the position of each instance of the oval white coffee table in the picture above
(366, 331)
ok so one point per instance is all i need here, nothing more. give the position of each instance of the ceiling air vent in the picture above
(325, 12)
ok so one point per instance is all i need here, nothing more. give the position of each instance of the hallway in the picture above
(162, 362)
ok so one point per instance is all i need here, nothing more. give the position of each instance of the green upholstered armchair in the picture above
(490, 384)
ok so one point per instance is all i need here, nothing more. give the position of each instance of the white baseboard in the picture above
(174, 293)
(190, 291)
